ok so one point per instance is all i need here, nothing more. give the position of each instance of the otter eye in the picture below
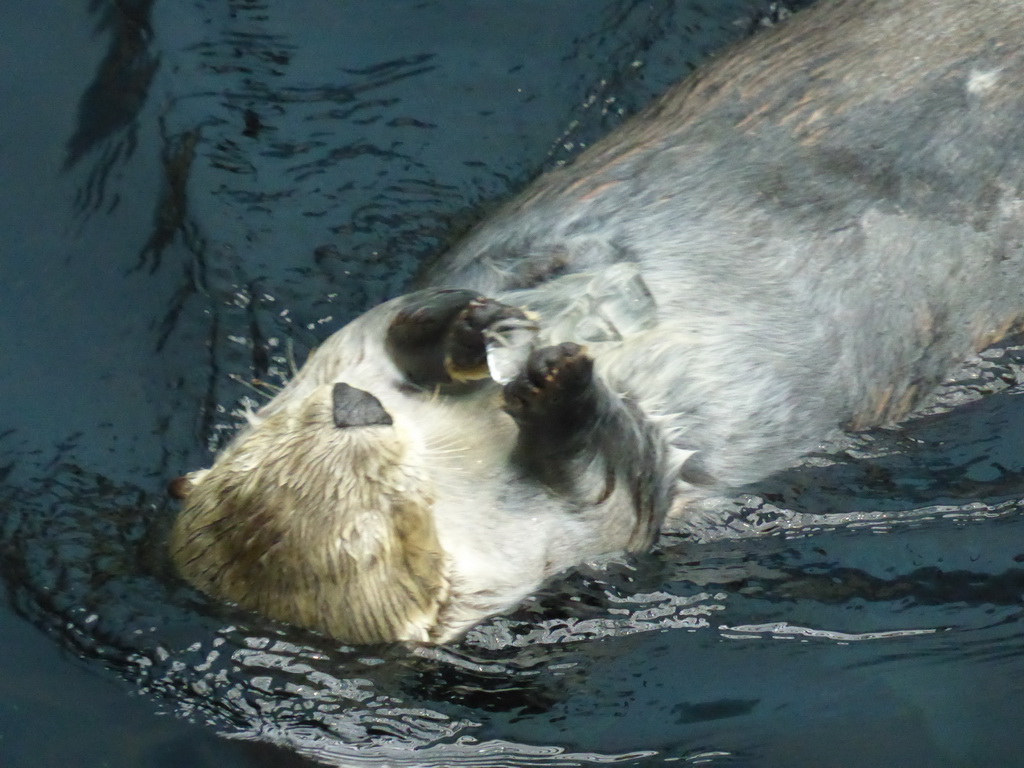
(356, 408)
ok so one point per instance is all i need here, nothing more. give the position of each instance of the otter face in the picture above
(394, 490)
(318, 515)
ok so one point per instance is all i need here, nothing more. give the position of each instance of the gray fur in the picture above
(827, 219)
(805, 236)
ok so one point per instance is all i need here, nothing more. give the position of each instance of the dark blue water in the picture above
(194, 193)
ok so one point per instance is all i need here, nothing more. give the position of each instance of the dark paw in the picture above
(552, 385)
(416, 336)
(466, 348)
(426, 316)
(439, 336)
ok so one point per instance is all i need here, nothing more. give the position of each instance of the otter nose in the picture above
(356, 408)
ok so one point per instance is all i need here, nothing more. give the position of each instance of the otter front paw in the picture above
(442, 336)
(553, 386)
(479, 328)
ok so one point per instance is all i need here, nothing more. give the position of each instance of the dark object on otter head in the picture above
(805, 236)
(356, 408)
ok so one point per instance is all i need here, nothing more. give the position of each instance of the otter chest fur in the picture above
(805, 236)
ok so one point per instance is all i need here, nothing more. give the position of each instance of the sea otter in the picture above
(806, 235)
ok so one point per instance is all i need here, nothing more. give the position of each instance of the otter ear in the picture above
(180, 487)
(356, 408)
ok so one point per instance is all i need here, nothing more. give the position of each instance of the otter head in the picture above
(318, 515)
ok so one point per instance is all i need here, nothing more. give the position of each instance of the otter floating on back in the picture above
(806, 235)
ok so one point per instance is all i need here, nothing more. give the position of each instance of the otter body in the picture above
(806, 235)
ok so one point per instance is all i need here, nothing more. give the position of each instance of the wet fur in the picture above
(804, 236)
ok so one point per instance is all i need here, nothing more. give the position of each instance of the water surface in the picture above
(196, 193)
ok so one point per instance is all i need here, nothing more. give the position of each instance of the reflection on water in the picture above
(258, 173)
(109, 110)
